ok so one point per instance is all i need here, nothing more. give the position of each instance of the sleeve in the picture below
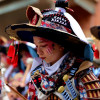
(88, 85)
(8, 71)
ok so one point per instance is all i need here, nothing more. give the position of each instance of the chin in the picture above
(46, 61)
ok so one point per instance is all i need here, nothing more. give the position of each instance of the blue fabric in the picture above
(22, 65)
(32, 52)
(88, 52)
(96, 71)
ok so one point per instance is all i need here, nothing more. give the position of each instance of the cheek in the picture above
(49, 48)
(3, 59)
(49, 51)
(24, 60)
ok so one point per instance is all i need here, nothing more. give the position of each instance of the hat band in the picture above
(52, 25)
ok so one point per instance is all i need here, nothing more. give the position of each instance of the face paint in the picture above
(50, 45)
(48, 50)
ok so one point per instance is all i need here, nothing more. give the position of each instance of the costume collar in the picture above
(36, 62)
(51, 69)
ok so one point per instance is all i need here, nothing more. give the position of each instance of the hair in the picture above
(3, 50)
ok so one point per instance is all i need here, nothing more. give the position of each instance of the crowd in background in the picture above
(16, 75)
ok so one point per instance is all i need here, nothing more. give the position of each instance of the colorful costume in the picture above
(95, 30)
(71, 77)
(83, 84)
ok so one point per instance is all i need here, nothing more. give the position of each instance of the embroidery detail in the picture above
(48, 84)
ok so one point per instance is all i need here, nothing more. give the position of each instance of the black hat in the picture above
(55, 25)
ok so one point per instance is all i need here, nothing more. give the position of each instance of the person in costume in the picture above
(64, 69)
(3, 66)
(95, 31)
(20, 76)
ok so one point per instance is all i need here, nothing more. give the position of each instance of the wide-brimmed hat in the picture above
(55, 25)
(95, 30)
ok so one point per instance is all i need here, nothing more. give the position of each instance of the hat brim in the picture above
(25, 32)
(95, 31)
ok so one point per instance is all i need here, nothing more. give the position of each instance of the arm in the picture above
(88, 83)
(25, 74)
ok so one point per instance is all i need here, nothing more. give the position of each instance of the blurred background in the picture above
(86, 12)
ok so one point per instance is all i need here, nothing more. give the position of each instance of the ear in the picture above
(61, 48)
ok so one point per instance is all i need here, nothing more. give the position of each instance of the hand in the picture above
(22, 84)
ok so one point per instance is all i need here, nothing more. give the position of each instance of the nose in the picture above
(39, 51)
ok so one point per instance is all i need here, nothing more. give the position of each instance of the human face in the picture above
(3, 58)
(48, 50)
(25, 56)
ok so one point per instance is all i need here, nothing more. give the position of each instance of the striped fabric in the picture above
(92, 86)
(53, 97)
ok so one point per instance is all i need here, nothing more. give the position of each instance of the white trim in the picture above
(59, 8)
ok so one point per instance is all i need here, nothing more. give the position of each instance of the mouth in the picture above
(42, 57)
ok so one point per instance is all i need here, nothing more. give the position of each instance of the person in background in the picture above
(19, 77)
(3, 66)
(65, 69)
(95, 31)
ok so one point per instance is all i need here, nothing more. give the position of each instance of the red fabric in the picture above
(96, 52)
(32, 91)
(15, 61)
(0, 83)
(34, 20)
(8, 60)
(32, 16)
(1, 42)
(13, 56)
(11, 50)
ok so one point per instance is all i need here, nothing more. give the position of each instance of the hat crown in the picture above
(55, 25)
(56, 20)
(61, 3)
